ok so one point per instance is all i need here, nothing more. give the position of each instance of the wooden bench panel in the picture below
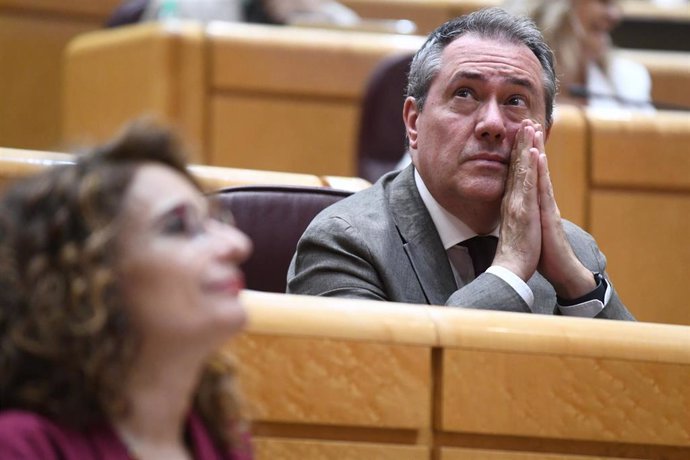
(16, 163)
(134, 71)
(98, 9)
(33, 36)
(450, 453)
(503, 385)
(567, 154)
(298, 61)
(429, 14)
(644, 235)
(566, 397)
(248, 96)
(31, 78)
(347, 372)
(670, 72)
(285, 134)
(322, 381)
(640, 209)
(575, 386)
(640, 151)
(294, 99)
(286, 449)
(426, 14)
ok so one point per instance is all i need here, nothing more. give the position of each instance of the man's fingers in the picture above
(547, 201)
(531, 171)
(539, 139)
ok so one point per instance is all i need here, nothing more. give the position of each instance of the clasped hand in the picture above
(531, 236)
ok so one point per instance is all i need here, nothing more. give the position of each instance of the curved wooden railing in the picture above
(339, 378)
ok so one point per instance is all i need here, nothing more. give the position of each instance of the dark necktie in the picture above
(482, 250)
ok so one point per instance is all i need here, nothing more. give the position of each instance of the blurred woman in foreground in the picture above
(118, 285)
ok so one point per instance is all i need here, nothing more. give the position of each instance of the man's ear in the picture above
(410, 117)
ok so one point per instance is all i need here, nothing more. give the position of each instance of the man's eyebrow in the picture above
(475, 75)
(521, 82)
(468, 74)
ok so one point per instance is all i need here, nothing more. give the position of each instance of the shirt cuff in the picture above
(589, 308)
(514, 281)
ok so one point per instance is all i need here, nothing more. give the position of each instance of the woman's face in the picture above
(595, 20)
(178, 266)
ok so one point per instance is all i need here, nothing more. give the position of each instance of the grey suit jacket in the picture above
(381, 244)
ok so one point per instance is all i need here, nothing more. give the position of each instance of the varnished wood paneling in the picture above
(135, 71)
(429, 14)
(556, 396)
(301, 62)
(640, 151)
(33, 36)
(97, 9)
(449, 453)
(335, 382)
(284, 134)
(31, 78)
(284, 449)
(670, 72)
(426, 14)
(566, 150)
(15, 164)
(645, 237)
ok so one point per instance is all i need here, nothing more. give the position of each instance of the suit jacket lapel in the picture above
(420, 239)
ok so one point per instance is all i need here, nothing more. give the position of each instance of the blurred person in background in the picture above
(300, 11)
(118, 285)
(257, 11)
(579, 32)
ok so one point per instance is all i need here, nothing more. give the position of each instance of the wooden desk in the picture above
(339, 378)
(247, 96)
(640, 209)
(16, 163)
(567, 151)
(33, 35)
(427, 14)
(345, 381)
(654, 27)
(548, 386)
(670, 72)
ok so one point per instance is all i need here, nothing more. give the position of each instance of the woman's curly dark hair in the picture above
(66, 341)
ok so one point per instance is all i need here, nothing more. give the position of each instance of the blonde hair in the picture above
(556, 21)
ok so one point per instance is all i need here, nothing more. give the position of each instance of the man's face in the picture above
(462, 139)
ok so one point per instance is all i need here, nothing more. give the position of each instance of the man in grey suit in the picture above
(478, 193)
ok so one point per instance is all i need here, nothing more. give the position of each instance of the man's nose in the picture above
(490, 125)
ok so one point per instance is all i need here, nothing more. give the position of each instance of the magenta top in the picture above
(28, 436)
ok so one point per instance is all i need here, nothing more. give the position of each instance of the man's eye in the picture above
(517, 101)
(463, 92)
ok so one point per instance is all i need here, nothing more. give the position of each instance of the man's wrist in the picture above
(598, 293)
(578, 285)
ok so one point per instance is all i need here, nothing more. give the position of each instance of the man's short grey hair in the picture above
(492, 23)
